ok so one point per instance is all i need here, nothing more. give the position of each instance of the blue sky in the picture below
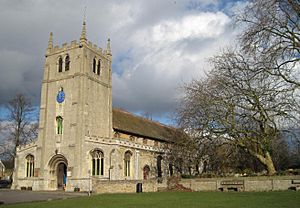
(157, 45)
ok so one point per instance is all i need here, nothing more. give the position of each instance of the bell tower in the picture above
(76, 102)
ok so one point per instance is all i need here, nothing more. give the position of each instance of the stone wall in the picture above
(121, 186)
(275, 183)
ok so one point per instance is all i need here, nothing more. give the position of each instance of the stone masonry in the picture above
(76, 119)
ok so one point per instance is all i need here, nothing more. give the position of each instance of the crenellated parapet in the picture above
(83, 42)
(64, 47)
(26, 146)
(96, 49)
(75, 44)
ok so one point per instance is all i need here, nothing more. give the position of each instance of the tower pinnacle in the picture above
(50, 41)
(83, 39)
(108, 50)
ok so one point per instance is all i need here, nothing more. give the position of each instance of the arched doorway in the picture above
(146, 171)
(58, 166)
(61, 175)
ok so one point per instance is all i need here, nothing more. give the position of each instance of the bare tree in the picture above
(239, 105)
(22, 126)
(1, 125)
(184, 155)
(272, 31)
(2, 147)
(292, 138)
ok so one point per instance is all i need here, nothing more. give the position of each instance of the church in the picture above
(81, 136)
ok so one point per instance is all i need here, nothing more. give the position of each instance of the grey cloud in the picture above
(146, 81)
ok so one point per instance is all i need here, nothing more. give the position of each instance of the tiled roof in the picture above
(126, 122)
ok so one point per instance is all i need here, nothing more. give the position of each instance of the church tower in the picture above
(82, 142)
(76, 102)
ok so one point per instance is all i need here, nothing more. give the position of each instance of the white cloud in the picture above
(203, 25)
(166, 55)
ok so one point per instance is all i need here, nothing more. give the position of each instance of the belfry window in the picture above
(60, 64)
(59, 125)
(29, 166)
(127, 159)
(67, 63)
(94, 65)
(99, 67)
(97, 163)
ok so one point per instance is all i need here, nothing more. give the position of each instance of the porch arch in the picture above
(58, 165)
(56, 159)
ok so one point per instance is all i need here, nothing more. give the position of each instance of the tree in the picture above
(272, 32)
(292, 138)
(238, 105)
(281, 154)
(2, 149)
(185, 155)
(21, 127)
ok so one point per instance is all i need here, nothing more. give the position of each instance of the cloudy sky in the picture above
(157, 45)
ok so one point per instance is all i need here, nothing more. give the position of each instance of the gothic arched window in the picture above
(171, 169)
(99, 67)
(97, 162)
(94, 65)
(67, 63)
(29, 166)
(59, 124)
(146, 171)
(127, 159)
(60, 64)
(159, 171)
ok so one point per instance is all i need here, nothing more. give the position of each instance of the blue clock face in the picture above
(60, 97)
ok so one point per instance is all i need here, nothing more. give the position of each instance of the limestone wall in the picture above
(272, 184)
(34, 184)
(275, 183)
(122, 186)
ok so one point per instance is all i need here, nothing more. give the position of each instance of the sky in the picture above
(157, 46)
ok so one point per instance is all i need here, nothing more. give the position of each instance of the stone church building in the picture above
(81, 137)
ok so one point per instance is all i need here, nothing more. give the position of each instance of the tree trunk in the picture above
(267, 161)
(270, 165)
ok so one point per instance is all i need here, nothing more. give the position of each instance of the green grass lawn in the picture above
(177, 199)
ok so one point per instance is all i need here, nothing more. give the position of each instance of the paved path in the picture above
(8, 196)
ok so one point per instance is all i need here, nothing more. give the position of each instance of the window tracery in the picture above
(127, 159)
(99, 67)
(29, 166)
(67, 63)
(97, 163)
(94, 65)
(60, 64)
(59, 125)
